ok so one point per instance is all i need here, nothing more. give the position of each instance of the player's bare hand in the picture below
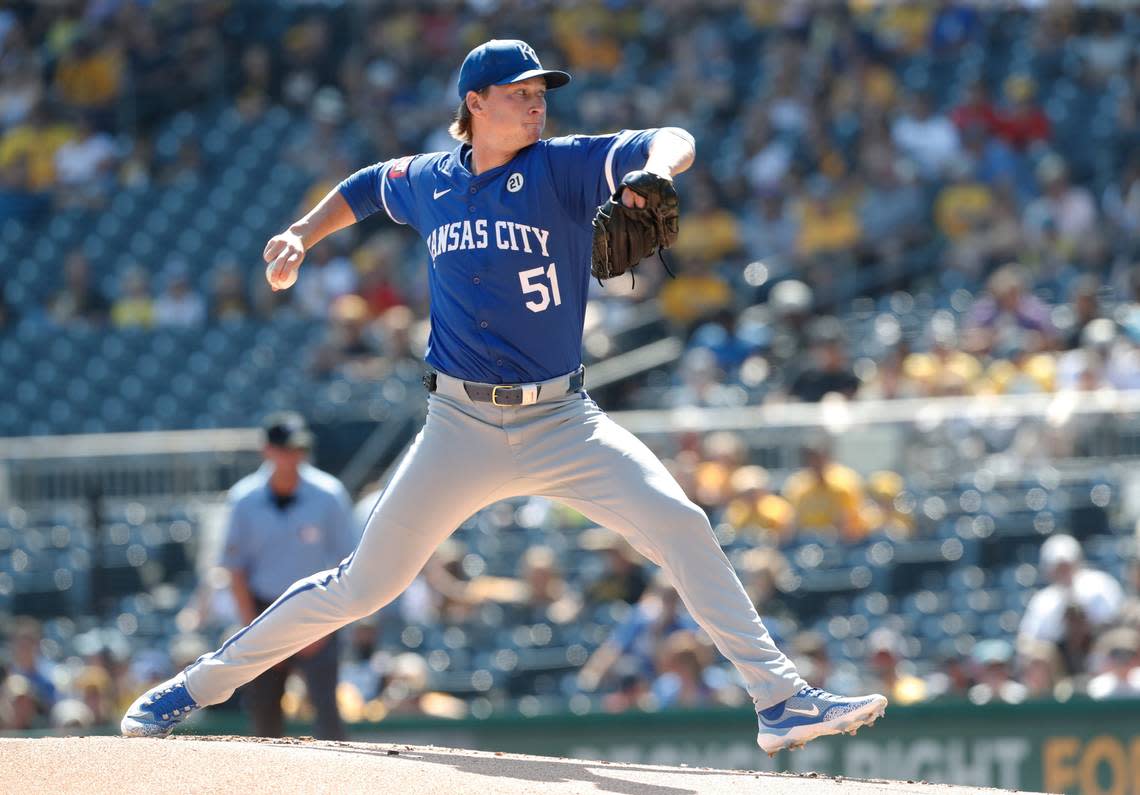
(632, 199)
(284, 254)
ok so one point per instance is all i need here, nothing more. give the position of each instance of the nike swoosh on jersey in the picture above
(435, 194)
(814, 711)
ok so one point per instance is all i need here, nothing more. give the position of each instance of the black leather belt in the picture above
(508, 394)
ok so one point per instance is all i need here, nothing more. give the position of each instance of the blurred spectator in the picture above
(1002, 318)
(21, 88)
(325, 277)
(90, 74)
(153, 68)
(658, 614)
(404, 691)
(992, 662)
(28, 662)
(1121, 202)
(929, 138)
(964, 204)
(891, 673)
(20, 708)
(622, 578)
(349, 349)
(95, 690)
(953, 675)
(1083, 308)
(771, 229)
(891, 208)
(1072, 584)
(754, 510)
(889, 510)
(976, 111)
(179, 305)
(84, 167)
(828, 223)
(546, 595)
(697, 293)
(227, 299)
(35, 143)
(828, 369)
(945, 369)
(135, 306)
(1118, 654)
(709, 232)
(375, 261)
(1041, 668)
(682, 681)
(1023, 122)
(826, 496)
(1065, 216)
(79, 302)
(18, 199)
(722, 453)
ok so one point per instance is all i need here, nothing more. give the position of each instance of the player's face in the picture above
(515, 115)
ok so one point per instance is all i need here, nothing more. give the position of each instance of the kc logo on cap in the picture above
(500, 62)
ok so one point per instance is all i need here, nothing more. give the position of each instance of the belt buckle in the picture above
(495, 395)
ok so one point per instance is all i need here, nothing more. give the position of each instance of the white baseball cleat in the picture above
(813, 713)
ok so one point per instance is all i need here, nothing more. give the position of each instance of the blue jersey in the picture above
(510, 248)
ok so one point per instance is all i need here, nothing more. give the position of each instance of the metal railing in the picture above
(171, 463)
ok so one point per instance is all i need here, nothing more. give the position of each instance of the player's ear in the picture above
(474, 102)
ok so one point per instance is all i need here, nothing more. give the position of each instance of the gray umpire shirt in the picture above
(276, 546)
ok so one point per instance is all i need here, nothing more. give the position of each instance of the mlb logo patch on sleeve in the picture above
(400, 167)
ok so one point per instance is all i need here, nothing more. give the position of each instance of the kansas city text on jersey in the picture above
(479, 233)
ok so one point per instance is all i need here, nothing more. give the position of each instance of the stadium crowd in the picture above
(889, 201)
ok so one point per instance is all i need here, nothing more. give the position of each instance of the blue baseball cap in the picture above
(501, 62)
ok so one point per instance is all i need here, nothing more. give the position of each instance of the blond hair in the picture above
(461, 128)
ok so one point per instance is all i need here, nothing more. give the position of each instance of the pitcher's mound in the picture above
(233, 765)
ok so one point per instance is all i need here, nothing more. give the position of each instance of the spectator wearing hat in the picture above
(992, 660)
(829, 369)
(1072, 586)
(1117, 655)
(287, 520)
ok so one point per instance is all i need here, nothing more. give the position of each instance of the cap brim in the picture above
(554, 78)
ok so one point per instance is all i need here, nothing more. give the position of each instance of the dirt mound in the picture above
(232, 765)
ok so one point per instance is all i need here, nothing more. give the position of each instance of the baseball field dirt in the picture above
(229, 765)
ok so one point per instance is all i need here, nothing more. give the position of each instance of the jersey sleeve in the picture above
(383, 186)
(588, 168)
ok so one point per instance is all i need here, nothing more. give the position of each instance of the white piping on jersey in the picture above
(610, 159)
(383, 198)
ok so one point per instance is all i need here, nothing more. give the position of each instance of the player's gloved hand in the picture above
(639, 219)
(284, 254)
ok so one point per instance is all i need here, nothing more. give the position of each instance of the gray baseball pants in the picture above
(472, 454)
